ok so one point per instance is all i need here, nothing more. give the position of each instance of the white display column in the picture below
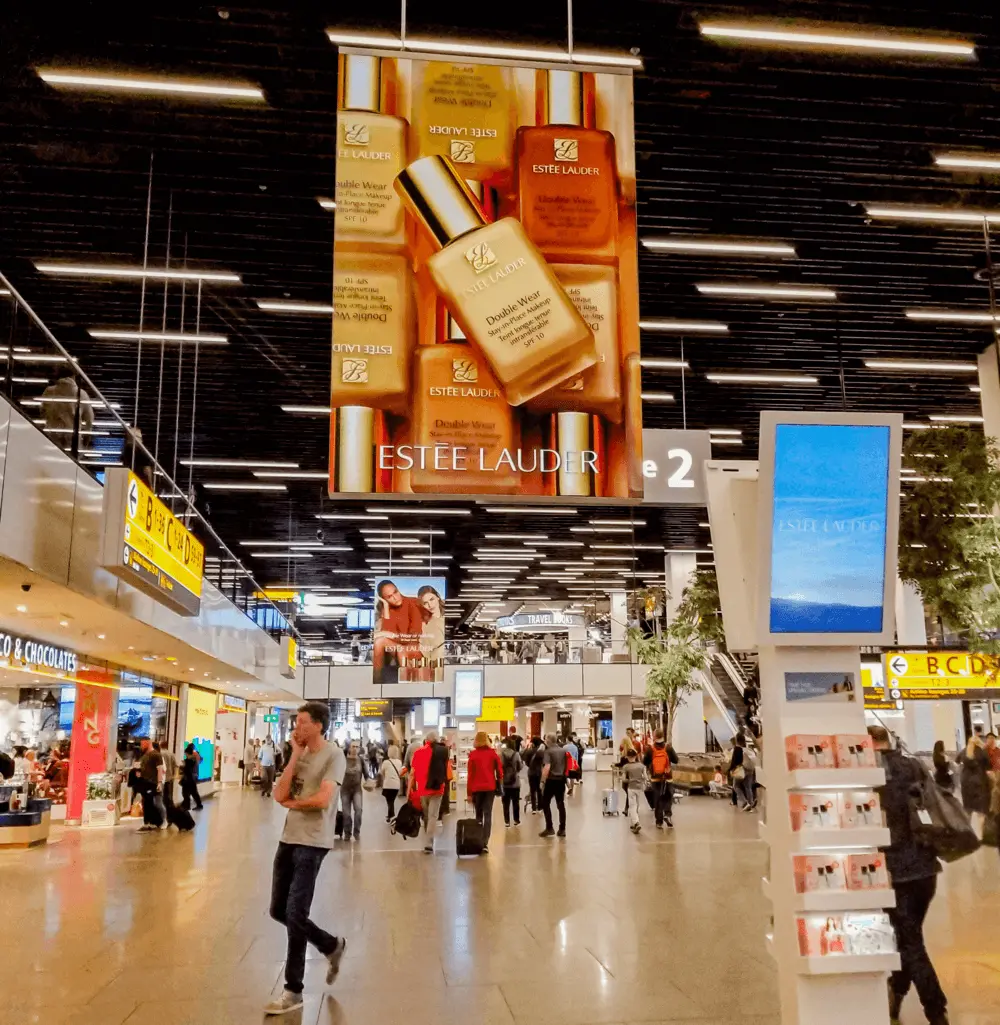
(689, 725)
(550, 720)
(621, 719)
(989, 392)
(680, 569)
(818, 990)
(917, 730)
(619, 621)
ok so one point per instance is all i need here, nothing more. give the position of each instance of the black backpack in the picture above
(508, 759)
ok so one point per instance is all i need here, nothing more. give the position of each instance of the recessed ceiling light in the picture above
(242, 486)
(766, 291)
(938, 366)
(239, 463)
(734, 247)
(666, 325)
(837, 38)
(762, 378)
(942, 214)
(189, 87)
(179, 337)
(309, 410)
(293, 306)
(98, 270)
(656, 396)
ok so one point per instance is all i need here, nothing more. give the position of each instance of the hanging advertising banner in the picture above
(88, 749)
(485, 293)
(408, 644)
(144, 544)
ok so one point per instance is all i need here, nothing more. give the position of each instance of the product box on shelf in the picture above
(814, 811)
(818, 872)
(854, 751)
(867, 872)
(854, 933)
(857, 808)
(809, 751)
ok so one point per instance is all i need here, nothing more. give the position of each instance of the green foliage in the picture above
(701, 609)
(949, 543)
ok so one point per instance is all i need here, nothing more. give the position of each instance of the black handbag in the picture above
(938, 820)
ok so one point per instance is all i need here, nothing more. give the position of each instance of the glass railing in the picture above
(53, 390)
(525, 651)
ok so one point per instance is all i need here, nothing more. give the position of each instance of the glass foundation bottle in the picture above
(462, 420)
(593, 290)
(497, 285)
(566, 172)
(371, 151)
(356, 435)
(465, 112)
(373, 330)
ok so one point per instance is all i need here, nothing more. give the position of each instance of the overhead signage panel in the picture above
(375, 708)
(932, 675)
(673, 466)
(409, 636)
(540, 620)
(145, 545)
(27, 653)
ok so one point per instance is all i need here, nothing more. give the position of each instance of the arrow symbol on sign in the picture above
(898, 665)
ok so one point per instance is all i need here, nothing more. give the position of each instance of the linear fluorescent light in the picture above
(68, 400)
(617, 523)
(665, 364)
(350, 517)
(694, 244)
(940, 366)
(975, 389)
(505, 552)
(398, 544)
(726, 441)
(983, 161)
(240, 463)
(417, 532)
(293, 306)
(293, 474)
(839, 39)
(931, 213)
(628, 548)
(297, 554)
(427, 510)
(283, 544)
(532, 510)
(98, 270)
(724, 430)
(499, 567)
(955, 316)
(668, 326)
(766, 291)
(140, 84)
(599, 530)
(326, 203)
(514, 537)
(243, 486)
(956, 419)
(762, 378)
(160, 336)
(656, 396)
(311, 410)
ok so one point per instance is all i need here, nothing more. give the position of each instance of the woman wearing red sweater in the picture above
(483, 784)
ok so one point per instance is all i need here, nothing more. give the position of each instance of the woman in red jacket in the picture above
(483, 784)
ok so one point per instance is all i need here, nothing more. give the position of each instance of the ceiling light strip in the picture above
(837, 39)
(766, 291)
(136, 83)
(97, 270)
(693, 244)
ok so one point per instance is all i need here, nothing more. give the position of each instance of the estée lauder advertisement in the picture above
(485, 328)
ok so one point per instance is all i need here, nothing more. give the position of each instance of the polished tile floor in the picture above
(103, 928)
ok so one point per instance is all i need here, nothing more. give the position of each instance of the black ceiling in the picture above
(731, 140)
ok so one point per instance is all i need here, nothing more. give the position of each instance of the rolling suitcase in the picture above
(610, 800)
(338, 825)
(407, 821)
(469, 838)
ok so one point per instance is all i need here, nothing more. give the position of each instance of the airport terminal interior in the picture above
(498, 514)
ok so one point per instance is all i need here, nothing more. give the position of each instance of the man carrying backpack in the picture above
(658, 759)
(510, 761)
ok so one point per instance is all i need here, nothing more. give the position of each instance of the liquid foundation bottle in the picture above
(497, 286)
(356, 435)
(593, 290)
(371, 151)
(566, 173)
(464, 112)
(373, 330)
(462, 420)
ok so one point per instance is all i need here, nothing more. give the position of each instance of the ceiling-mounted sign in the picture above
(497, 709)
(540, 621)
(289, 658)
(376, 708)
(673, 466)
(27, 653)
(927, 675)
(228, 703)
(271, 717)
(144, 544)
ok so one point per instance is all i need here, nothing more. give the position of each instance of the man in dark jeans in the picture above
(913, 868)
(308, 789)
(659, 759)
(553, 785)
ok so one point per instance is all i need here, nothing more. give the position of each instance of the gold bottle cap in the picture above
(362, 82)
(439, 198)
(563, 98)
(355, 468)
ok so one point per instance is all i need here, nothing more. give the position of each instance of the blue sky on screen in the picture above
(830, 491)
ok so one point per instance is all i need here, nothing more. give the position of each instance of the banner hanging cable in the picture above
(163, 330)
(194, 393)
(142, 302)
(180, 370)
(992, 284)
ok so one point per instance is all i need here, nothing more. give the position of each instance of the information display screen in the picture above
(469, 693)
(828, 528)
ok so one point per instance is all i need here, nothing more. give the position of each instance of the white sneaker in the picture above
(335, 958)
(288, 1001)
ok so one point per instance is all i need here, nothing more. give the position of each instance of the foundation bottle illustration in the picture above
(373, 330)
(579, 440)
(464, 112)
(371, 151)
(566, 173)
(356, 434)
(462, 420)
(496, 284)
(593, 290)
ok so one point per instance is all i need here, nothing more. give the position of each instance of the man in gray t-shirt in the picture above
(308, 789)
(553, 785)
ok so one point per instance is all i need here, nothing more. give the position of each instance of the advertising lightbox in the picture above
(468, 693)
(485, 294)
(200, 729)
(829, 488)
(408, 645)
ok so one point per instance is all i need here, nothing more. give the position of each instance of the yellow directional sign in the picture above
(144, 544)
(930, 675)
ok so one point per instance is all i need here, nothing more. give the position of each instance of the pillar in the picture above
(689, 724)
(550, 720)
(680, 567)
(619, 621)
(989, 398)
(621, 718)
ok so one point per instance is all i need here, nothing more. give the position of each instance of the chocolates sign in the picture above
(485, 333)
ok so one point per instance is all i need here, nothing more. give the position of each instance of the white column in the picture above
(621, 718)
(989, 384)
(550, 720)
(916, 725)
(680, 567)
(689, 724)
(619, 620)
